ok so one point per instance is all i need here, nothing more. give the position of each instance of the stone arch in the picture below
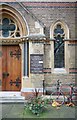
(64, 26)
(10, 12)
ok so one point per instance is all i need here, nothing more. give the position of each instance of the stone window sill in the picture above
(59, 70)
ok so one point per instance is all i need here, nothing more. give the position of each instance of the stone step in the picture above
(12, 101)
(11, 97)
(3, 94)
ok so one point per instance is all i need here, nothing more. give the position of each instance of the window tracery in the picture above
(8, 28)
(59, 46)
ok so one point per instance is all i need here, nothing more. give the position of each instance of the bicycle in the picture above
(62, 93)
(58, 95)
(73, 94)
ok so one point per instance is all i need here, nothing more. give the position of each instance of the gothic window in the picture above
(59, 46)
(8, 28)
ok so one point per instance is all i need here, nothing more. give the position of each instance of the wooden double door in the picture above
(10, 70)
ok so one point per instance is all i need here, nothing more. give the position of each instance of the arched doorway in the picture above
(12, 28)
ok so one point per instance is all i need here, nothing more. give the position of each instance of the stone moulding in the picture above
(70, 39)
(35, 37)
(10, 41)
(38, 38)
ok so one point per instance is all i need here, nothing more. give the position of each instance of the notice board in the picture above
(36, 63)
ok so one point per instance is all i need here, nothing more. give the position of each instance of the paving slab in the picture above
(16, 111)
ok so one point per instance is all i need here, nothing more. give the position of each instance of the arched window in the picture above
(59, 35)
(9, 28)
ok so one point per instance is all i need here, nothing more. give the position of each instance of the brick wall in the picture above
(51, 12)
(47, 14)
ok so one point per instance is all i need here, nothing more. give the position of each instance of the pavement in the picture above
(12, 108)
(16, 110)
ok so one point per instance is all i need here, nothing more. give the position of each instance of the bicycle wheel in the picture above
(58, 97)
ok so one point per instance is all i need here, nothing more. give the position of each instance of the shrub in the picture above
(37, 104)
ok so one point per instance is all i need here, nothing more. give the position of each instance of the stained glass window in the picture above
(59, 46)
(9, 28)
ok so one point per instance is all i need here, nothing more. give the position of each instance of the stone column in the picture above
(22, 63)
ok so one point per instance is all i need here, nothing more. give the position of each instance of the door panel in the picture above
(14, 68)
(11, 68)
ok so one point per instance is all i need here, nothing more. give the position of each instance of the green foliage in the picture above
(36, 105)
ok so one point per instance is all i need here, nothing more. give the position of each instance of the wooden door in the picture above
(11, 68)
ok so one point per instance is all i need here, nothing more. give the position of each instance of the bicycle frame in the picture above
(59, 93)
(71, 92)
